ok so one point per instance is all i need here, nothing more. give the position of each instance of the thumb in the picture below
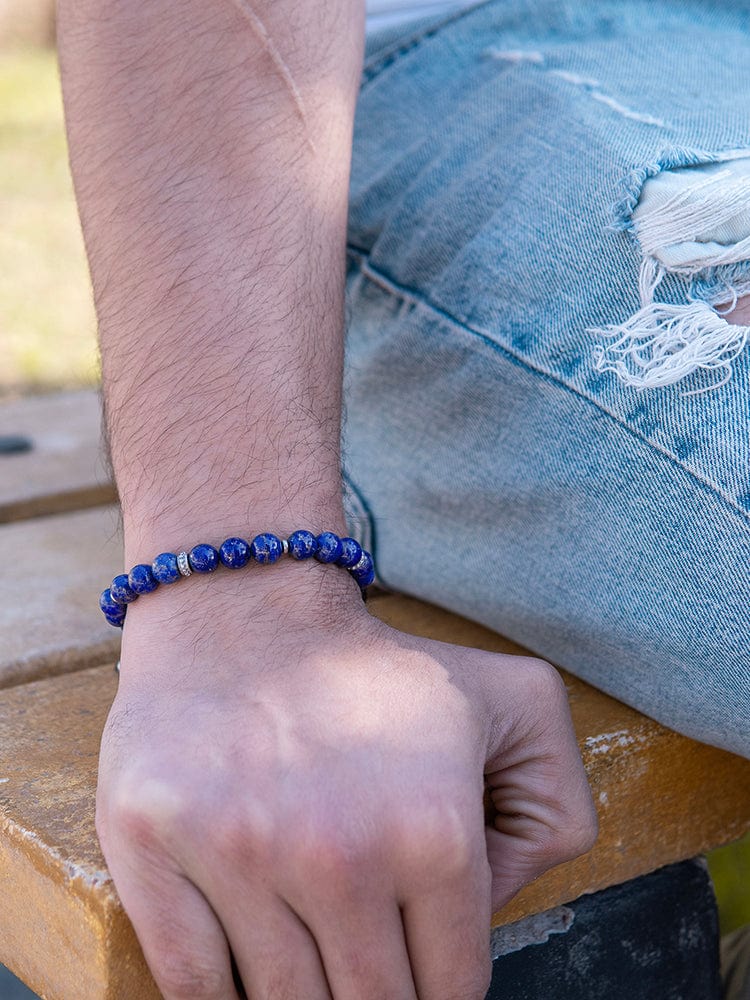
(541, 812)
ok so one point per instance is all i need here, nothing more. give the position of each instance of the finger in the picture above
(544, 813)
(448, 931)
(275, 953)
(364, 951)
(181, 937)
(527, 839)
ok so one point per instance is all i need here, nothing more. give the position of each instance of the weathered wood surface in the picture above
(64, 470)
(661, 797)
(54, 569)
(62, 929)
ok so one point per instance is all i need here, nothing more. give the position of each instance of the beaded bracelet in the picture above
(234, 553)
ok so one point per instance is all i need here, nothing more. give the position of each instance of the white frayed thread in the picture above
(662, 343)
(739, 290)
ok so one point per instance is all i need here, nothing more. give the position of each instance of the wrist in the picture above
(221, 610)
(172, 529)
(323, 568)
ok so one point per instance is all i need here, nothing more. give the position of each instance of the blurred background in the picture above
(47, 321)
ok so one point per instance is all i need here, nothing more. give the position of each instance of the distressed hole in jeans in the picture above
(692, 222)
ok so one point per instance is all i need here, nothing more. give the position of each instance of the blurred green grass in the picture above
(47, 323)
(730, 871)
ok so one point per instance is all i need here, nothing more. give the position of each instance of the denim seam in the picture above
(366, 509)
(387, 283)
(380, 62)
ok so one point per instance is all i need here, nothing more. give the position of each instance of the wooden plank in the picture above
(54, 570)
(64, 469)
(661, 797)
(62, 928)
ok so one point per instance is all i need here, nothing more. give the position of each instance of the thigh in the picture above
(499, 161)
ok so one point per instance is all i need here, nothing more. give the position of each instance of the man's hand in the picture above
(286, 778)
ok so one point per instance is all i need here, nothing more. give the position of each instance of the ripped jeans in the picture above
(547, 417)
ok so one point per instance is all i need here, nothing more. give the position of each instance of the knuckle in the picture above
(580, 836)
(244, 836)
(338, 855)
(441, 837)
(446, 818)
(436, 844)
(546, 682)
(337, 862)
(147, 812)
(137, 826)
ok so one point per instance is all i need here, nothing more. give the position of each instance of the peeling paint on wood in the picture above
(534, 929)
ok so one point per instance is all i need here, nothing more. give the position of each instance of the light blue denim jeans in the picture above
(499, 464)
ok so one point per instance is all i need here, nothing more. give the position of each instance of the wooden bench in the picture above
(661, 797)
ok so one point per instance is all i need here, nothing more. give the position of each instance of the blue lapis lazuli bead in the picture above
(351, 553)
(364, 580)
(164, 568)
(329, 547)
(266, 548)
(302, 544)
(118, 620)
(364, 571)
(234, 553)
(108, 604)
(142, 579)
(113, 612)
(121, 590)
(203, 558)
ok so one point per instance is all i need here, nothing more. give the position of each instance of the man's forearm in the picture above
(210, 145)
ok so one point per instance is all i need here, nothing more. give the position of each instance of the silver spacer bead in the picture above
(285, 546)
(183, 565)
(359, 563)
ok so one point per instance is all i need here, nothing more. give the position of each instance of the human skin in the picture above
(284, 781)
(740, 314)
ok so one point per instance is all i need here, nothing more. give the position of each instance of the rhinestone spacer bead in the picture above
(183, 564)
